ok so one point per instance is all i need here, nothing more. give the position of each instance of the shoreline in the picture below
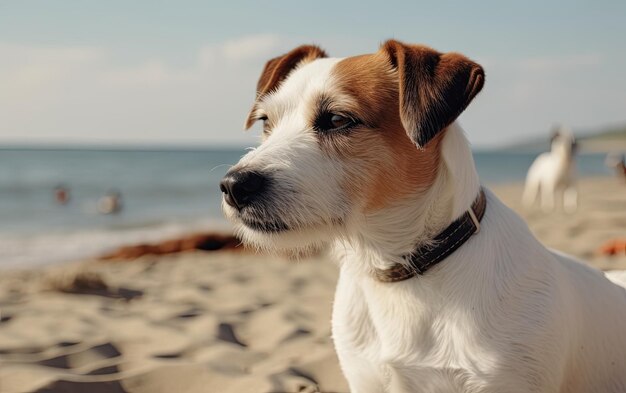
(120, 240)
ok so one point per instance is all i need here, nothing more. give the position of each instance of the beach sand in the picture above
(216, 321)
(601, 216)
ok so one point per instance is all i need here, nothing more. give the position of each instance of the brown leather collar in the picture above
(444, 244)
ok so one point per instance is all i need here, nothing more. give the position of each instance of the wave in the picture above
(27, 251)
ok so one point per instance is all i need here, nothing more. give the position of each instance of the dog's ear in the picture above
(434, 87)
(277, 69)
(556, 132)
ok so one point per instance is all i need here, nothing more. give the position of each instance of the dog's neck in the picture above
(380, 239)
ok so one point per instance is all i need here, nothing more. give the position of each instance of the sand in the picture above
(216, 321)
(601, 216)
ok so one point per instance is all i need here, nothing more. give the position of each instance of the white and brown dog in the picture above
(364, 154)
(552, 176)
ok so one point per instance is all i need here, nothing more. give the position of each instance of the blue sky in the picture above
(183, 72)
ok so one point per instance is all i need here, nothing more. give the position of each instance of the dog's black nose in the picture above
(240, 188)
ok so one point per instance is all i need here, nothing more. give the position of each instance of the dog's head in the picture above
(343, 138)
(563, 139)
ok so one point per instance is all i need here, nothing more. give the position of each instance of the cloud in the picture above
(153, 72)
(18, 54)
(87, 93)
(251, 47)
(24, 69)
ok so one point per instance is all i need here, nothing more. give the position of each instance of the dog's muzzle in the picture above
(241, 188)
(249, 193)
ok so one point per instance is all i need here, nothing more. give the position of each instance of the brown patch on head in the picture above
(277, 69)
(385, 164)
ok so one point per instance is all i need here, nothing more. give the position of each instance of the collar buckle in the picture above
(475, 220)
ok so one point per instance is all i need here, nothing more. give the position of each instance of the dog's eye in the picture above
(266, 126)
(339, 121)
(328, 121)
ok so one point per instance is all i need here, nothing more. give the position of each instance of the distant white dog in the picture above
(442, 288)
(617, 162)
(552, 176)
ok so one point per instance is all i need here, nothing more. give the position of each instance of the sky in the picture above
(150, 72)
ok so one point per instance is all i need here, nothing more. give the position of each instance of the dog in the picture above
(441, 287)
(552, 176)
(616, 162)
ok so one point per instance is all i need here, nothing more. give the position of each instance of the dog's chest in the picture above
(389, 337)
(385, 323)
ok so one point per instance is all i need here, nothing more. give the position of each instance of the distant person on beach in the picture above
(617, 162)
(61, 194)
(552, 176)
(111, 203)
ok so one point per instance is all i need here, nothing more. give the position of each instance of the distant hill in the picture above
(599, 141)
(608, 140)
(614, 133)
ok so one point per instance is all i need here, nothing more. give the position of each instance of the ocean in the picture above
(164, 194)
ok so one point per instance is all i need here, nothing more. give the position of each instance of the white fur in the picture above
(552, 176)
(501, 314)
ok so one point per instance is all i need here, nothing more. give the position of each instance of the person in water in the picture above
(111, 203)
(61, 194)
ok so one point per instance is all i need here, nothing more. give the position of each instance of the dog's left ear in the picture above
(434, 87)
(277, 69)
(555, 133)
